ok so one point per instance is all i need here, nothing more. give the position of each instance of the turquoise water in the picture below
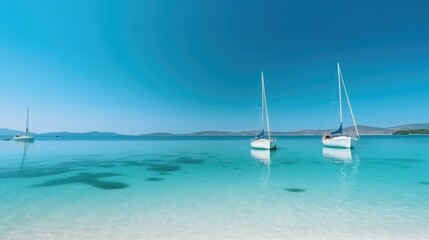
(214, 188)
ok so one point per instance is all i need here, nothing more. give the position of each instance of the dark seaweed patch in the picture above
(105, 185)
(404, 167)
(295, 190)
(165, 173)
(236, 169)
(188, 160)
(105, 165)
(408, 160)
(164, 168)
(424, 182)
(152, 161)
(154, 179)
(91, 179)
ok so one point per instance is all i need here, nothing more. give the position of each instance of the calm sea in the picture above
(214, 188)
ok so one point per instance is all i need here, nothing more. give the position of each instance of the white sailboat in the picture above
(261, 141)
(25, 137)
(336, 138)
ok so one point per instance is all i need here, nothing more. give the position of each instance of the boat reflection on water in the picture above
(24, 154)
(264, 158)
(341, 154)
(348, 162)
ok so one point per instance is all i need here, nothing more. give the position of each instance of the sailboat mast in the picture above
(339, 92)
(264, 99)
(26, 128)
(350, 106)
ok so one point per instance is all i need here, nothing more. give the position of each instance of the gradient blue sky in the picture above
(182, 66)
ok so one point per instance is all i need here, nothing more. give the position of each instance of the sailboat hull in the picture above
(23, 138)
(263, 144)
(338, 142)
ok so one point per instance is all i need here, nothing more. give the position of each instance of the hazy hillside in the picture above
(305, 132)
(9, 132)
(158, 134)
(411, 126)
(362, 130)
(368, 130)
(70, 134)
(211, 133)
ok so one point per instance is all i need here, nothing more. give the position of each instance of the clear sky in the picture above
(183, 66)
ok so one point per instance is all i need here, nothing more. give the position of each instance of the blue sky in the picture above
(183, 66)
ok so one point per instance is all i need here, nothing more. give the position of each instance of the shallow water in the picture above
(214, 188)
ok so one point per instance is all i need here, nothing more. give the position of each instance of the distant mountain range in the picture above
(365, 130)
(361, 128)
(10, 132)
(84, 134)
(411, 126)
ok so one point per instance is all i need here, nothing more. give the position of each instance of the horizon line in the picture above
(203, 131)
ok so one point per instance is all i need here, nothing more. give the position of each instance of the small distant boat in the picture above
(26, 137)
(336, 138)
(261, 141)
